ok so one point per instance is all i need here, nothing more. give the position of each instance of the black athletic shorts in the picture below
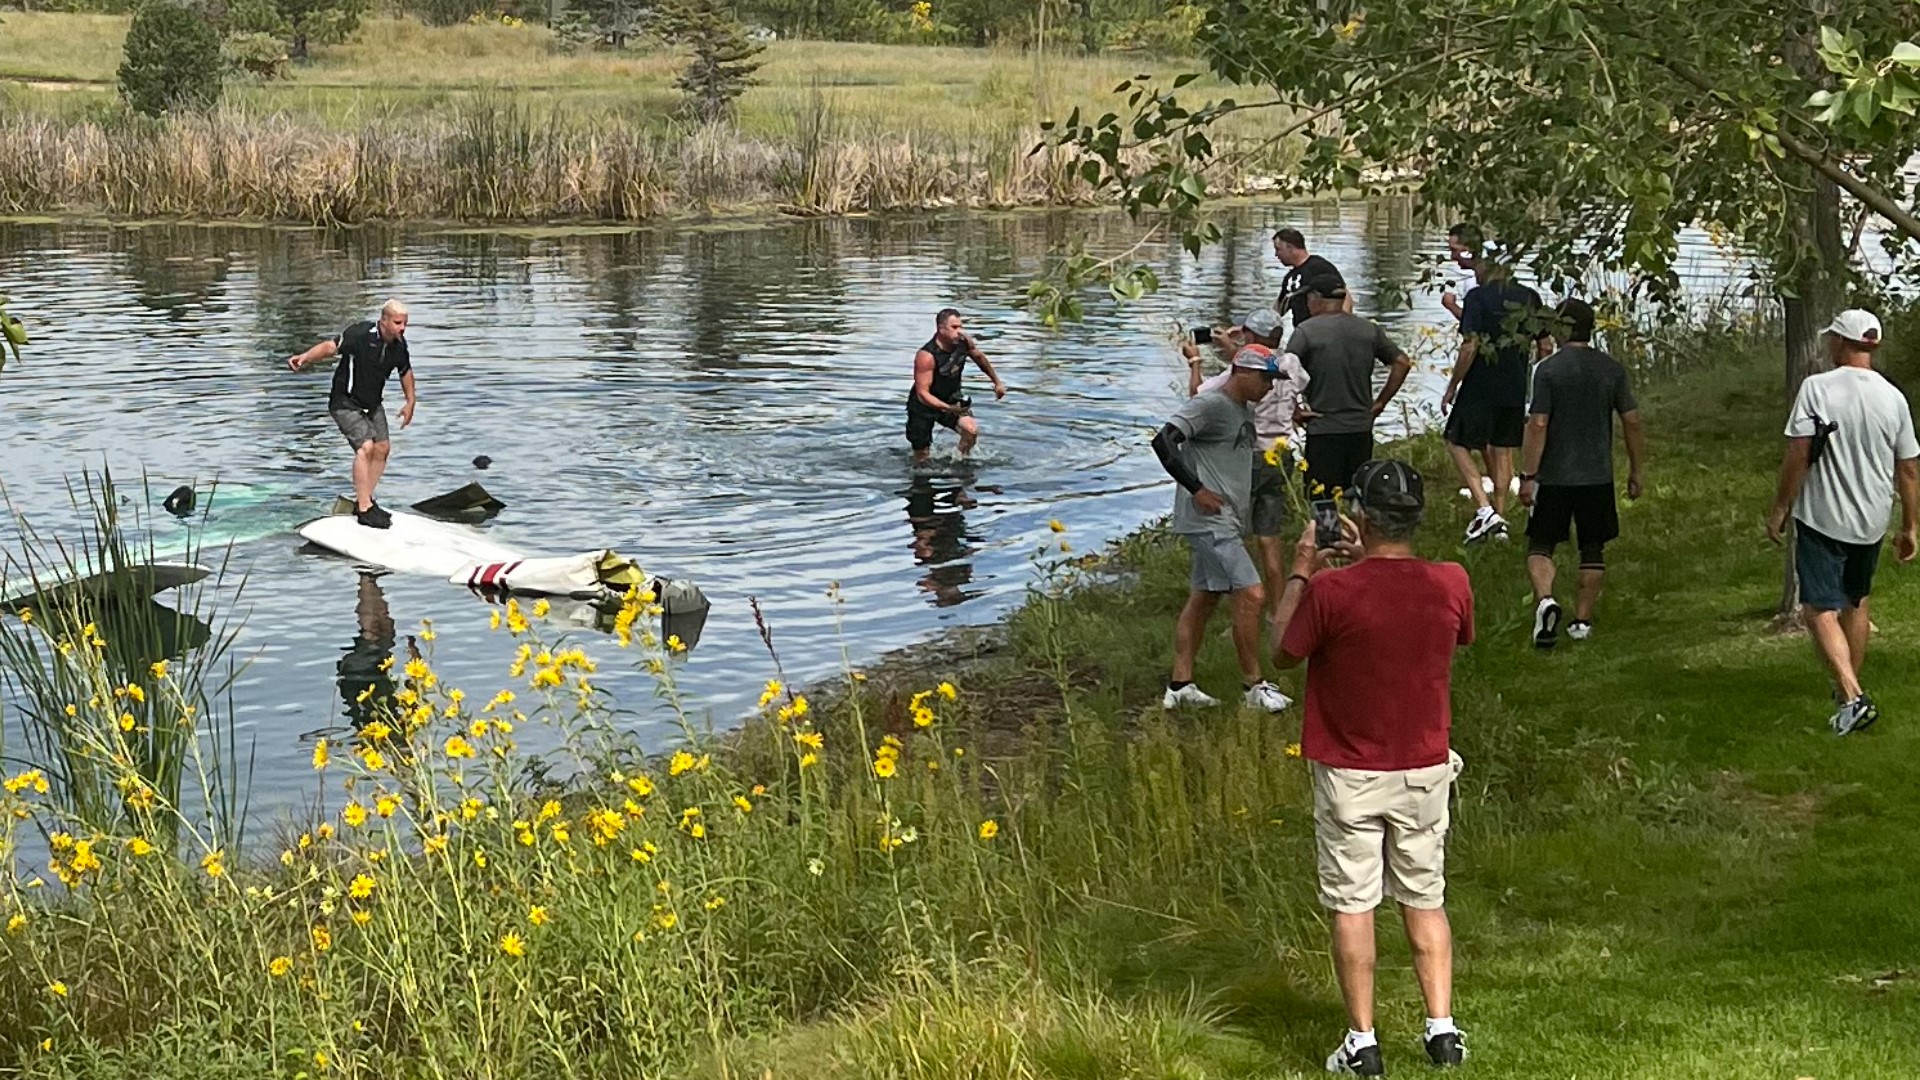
(1834, 575)
(920, 421)
(1333, 459)
(1476, 426)
(1559, 512)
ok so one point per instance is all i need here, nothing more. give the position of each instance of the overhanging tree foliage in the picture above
(1584, 134)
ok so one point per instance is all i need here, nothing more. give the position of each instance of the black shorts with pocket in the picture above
(1834, 575)
(1559, 512)
(1333, 459)
(920, 421)
(1477, 426)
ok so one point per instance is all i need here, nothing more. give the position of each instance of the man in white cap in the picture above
(1208, 448)
(1276, 433)
(1850, 440)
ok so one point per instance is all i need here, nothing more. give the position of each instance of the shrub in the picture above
(257, 54)
(172, 60)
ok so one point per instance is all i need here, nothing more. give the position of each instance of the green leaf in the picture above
(1864, 108)
(1907, 54)
(1185, 79)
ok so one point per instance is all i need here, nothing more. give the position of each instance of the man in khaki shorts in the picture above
(1378, 637)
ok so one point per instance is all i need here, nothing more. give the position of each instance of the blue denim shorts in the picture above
(1834, 575)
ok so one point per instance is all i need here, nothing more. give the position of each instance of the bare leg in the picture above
(1500, 467)
(1432, 940)
(1858, 627)
(1463, 460)
(376, 465)
(363, 481)
(1273, 567)
(1589, 596)
(1247, 605)
(969, 434)
(1831, 641)
(1540, 571)
(1353, 961)
(1187, 631)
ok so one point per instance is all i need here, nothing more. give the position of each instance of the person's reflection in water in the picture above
(940, 541)
(366, 682)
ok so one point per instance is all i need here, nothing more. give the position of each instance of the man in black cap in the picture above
(1339, 349)
(1378, 637)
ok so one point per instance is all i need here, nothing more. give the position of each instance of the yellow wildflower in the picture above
(883, 767)
(741, 801)
(417, 668)
(1293, 750)
(214, 863)
(434, 845)
(361, 887)
(923, 717)
(809, 759)
(57, 988)
(989, 829)
(771, 693)
(480, 859)
(947, 690)
(374, 759)
(682, 761)
(640, 786)
(135, 692)
(16, 923)
(279, 966)
(540, 609)
(84, 860)
(324, 830)
(126, 722)
(715, 903)
(354, 815)
(321, 754)
(513, 944)
(139, 848)
(493, 620)
(362, 918)
(385, 805)
(812, 740)
(322, 938)
(538, 916)
(457, 747)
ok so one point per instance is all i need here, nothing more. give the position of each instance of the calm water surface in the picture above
(723, 405)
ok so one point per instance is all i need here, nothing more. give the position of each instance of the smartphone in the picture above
(1326, 523)
(1203, 335)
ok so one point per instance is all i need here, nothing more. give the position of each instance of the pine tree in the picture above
(723, 60)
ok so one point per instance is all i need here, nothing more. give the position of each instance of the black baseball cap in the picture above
(1389, 485)
(1327, 286)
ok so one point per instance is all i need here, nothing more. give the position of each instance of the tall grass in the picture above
(492, 159)
(122, 699)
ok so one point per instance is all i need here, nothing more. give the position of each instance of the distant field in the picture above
(900, 89)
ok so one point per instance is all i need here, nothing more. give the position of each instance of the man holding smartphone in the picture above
(935, 397)
(1275, 434)
(1208, 449)
(1378, 638)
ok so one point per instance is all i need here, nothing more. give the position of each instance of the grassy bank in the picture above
(1014, 865)
(495, 123)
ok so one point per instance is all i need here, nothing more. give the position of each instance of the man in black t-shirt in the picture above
(1502, 330)
(935, 397)
(369, 353)
(1291, 249)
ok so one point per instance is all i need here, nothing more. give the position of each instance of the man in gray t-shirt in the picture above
(1339, 350)
(1207, 447)
(1850, 445)
(1566, 471)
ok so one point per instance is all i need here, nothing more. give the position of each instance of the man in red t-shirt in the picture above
(1378, 637)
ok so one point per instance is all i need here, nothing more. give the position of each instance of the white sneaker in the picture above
(1546, 623)
(1486, 483)
(1484, 522)
(1190, 694)
(1579, 630)
(1265, 695)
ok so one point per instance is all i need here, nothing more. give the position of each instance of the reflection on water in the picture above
(366, 680)
(723, 405)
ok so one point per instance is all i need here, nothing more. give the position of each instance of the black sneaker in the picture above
(1447, 1049)
(374, 518)
(1546, 623)
(1856, 715)
(1365, 1061)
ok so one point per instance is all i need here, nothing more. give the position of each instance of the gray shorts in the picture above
(362, 427)
(1221, 564)
(1268, 516)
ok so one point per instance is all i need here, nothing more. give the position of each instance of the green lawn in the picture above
(1663, 866)
(404, 66)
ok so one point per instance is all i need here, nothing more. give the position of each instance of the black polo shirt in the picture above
(1293, 287)
(365, 362)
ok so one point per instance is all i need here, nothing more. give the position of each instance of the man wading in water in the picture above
(369, 352)
(935, 398)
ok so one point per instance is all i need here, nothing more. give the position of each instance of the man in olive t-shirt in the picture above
(1339, 351)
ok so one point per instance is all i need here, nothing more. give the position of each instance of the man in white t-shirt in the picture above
(1277, 433)
(1849, 440)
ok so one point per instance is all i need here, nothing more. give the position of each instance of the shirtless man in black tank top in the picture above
(935, 397)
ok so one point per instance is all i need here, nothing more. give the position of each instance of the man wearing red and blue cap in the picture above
(1208, 448)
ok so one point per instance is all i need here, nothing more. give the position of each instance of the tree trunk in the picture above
(1819, 286)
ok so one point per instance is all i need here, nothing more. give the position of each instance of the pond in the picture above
(722, 404)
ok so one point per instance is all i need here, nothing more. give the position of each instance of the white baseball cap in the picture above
(1263, 321)
(1856, 325)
